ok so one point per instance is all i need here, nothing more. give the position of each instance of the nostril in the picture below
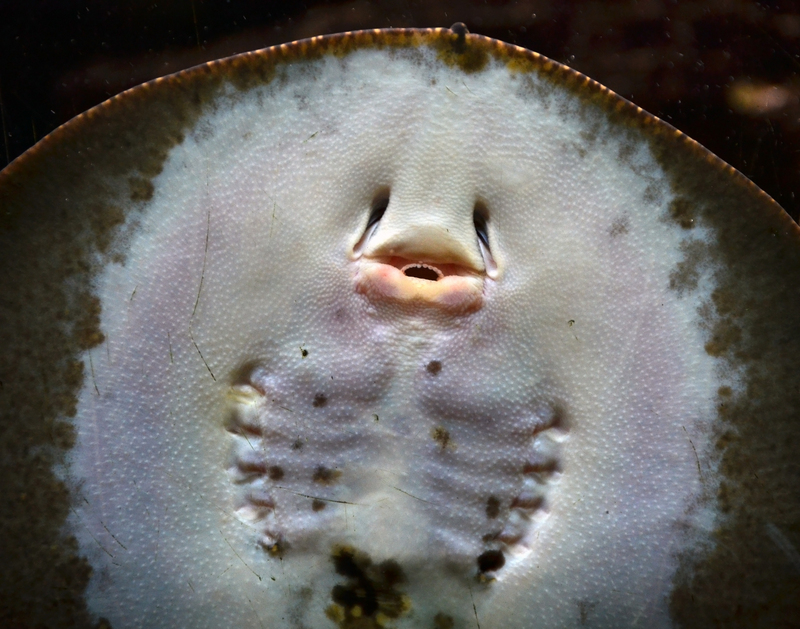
(480, 219)
(423, 272)
(379, 204)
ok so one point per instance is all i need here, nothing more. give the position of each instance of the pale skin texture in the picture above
(562, 391)
(286, 425)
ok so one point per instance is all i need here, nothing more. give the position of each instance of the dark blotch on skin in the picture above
(370, 590)
(441, 436)
(320, 400)
(87, 327)
(325, 475)
(491, 561)
(252, 467)
(686, 275)
(434, 367)
(540, 467)
(492, 507)
(682, 212)
(491, 537)
(443, 621)
(618, 227)
(585, 608)
(275, 472)
(297, 445)
(750, 326)
(527, 503)
(141, 189)
(317, 505)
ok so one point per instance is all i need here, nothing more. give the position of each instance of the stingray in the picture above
(395, 328)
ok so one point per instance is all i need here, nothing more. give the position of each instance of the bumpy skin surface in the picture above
(283, 428)
(562, 398)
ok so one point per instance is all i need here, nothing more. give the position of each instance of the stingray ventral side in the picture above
(394, 328)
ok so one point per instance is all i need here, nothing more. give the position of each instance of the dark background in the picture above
(725, 71)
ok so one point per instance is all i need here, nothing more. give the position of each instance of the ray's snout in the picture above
(427, 259)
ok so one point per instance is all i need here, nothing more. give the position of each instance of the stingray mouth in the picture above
(422, 271)
(451, 287)
(423, 263)
(427, 271)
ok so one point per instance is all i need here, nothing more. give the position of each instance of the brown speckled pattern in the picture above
(56, 215)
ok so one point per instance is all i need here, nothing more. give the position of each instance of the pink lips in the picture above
(450, 287)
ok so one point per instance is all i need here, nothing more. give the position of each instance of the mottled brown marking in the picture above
(618, 227)
(492, 507)
(87, 325)
(252, 467)
(104, 224)
(325, 475)
(458, 50)
(443, 621)
(371, 596)
(743, 579)
(686, 274)
(141, 189)
(320, 400)
(441, 436)
(317, 505)
(757, 247)
(584, 609)
(725, 336)
(491, 561)
(62, 205)
(681, 210)
(627, 149)
(540, 467)
(434, 367)
(527, 503)
(653, 194)
(276, 472)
